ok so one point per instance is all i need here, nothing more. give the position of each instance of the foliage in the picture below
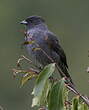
(51, 93)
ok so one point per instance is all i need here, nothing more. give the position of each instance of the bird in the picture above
(43, 45)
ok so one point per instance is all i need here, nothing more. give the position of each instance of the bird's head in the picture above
(32, 21)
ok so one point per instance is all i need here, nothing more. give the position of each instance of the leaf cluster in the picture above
(51, 94)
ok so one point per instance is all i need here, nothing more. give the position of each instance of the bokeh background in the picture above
(69, 19)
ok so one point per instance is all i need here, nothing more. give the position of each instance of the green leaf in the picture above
(75, 103)
(83, 106)
(41, 83)
(56, 97)
(47, 87)
(42, 100)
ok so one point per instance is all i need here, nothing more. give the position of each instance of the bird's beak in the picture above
(23, 22)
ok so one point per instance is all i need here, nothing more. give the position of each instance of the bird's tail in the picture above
(64, 73)
(70, 85)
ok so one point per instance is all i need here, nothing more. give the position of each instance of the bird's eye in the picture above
(31, 21)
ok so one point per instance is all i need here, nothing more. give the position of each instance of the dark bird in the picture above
(43, 45)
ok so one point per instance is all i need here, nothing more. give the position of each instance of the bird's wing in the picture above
(54, 44)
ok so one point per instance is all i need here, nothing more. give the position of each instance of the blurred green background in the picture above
(69, 19)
